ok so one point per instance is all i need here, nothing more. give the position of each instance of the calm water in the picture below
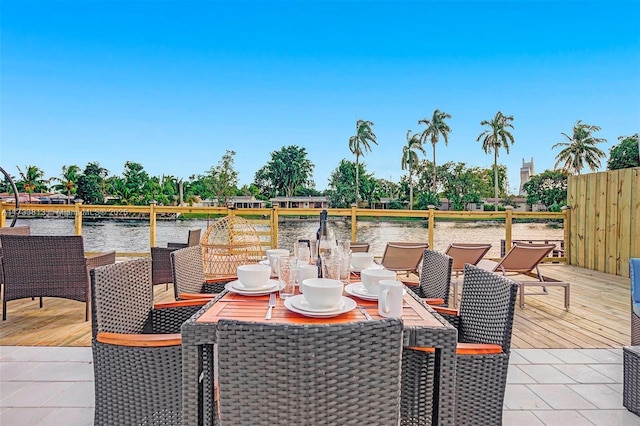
(133, 236)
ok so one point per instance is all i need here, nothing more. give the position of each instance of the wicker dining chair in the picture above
(193, 239)
(161, 272)
(47, 266)
(312, 374)
(136, 346)
(484, 323)
(188, 275)
(435, 278)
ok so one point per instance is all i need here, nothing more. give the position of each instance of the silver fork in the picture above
(272, 303)
(364, 312)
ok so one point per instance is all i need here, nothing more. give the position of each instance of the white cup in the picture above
(253, 276)
(390, 299)
(371, 279)
(322, 293)
(272, 255)
(361, 260)
(306, 272)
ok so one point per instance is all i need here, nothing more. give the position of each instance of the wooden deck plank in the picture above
(599, 316)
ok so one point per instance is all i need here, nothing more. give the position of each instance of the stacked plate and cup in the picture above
(253, 280)
(320, 298)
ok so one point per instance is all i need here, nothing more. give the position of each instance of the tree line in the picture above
(290, 173)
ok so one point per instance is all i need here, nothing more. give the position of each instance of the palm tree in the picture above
(32, 180)
(359, 144)
(495, 137)
(68, 180)
(410, 159)
(580, 150)
(436, 127)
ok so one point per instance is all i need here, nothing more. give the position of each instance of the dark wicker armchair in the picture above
(435, 278)
(276, 374)
(136, 346)
(188, 275)
(484, 323)
(192, 240)
(47, 266)
(161, 272)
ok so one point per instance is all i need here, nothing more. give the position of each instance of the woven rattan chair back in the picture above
(463, 253)
(359, 247)
(435, 277)
(161, 272)
(16, 230)
(43, 266)
(122, 297)
(487, 308)
(276, 374)
(135, 384)
(401, 256)
(188, 272)
(228, 243)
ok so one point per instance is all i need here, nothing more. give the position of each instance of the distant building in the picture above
(238, 202)
(526, 171)
(307, 202)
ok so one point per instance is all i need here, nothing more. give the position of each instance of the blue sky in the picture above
(174, 84)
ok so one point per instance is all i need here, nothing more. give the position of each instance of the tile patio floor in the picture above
(54, 386)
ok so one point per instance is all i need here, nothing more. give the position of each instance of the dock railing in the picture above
(270, 217)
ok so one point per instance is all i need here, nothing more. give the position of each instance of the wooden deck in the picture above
(599, 316)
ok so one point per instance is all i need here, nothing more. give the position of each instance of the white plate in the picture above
(374, 266)
(349, 304)
(263, 262)
(274, 285)
(300, 302)
(357, 289)
(269, 285)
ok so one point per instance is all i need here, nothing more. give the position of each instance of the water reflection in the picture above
(133, 235)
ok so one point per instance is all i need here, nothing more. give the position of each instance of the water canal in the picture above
(133, 235)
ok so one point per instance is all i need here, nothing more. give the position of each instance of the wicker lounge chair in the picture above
(47, 266)
(136, 346)
(192, 240)
(435, 278)
(631, 354)
(524, 259)
(161, 272)
(359, 247)
(188, 275)
(484, 323)
(462, 254)
(310, 374)
(401, 256)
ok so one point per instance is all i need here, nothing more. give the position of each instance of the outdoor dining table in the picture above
(422, 327)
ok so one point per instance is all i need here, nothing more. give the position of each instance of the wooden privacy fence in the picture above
(604, 229)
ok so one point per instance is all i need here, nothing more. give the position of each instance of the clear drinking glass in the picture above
(330, 266)
(287, 274)
(345, 266)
